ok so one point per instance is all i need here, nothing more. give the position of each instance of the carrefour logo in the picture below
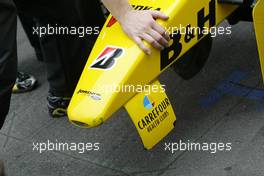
(148, 102)
(157, 112)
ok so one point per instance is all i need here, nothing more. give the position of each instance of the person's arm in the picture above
(139, 25)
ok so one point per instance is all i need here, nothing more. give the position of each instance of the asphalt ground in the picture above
(222, 104)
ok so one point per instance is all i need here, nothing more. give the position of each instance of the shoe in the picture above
(57, 106)
(24, 83)
(2, 168)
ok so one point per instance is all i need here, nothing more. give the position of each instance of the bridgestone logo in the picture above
(106, 60)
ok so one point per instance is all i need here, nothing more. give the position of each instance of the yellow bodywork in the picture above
(258, 19)
(116, 61)
(133, 67)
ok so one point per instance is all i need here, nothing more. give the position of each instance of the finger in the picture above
(158, 37)
(142, 46)
(152, 41)
(158, 15)
(157, 27)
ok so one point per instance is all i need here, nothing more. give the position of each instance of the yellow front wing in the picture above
(116, 61)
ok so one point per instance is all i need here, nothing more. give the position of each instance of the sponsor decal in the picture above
(112, 20)
(176, 47)
(148, 102)
(93, 95)
(156, 113)
(106, 60)
(141, 7)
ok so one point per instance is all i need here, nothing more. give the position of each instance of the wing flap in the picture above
(152, 114)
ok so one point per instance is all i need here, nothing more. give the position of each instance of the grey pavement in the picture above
(204, 112)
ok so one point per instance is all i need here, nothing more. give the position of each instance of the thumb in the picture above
(159, 15)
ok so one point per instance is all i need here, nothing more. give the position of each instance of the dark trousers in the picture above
(28, 23)
(65, 58)
(65, 55)
(8, 55)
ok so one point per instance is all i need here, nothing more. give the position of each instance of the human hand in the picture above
(141, 25)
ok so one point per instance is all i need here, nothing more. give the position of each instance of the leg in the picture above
(8, 55)
(65, 55)
(28, 23)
